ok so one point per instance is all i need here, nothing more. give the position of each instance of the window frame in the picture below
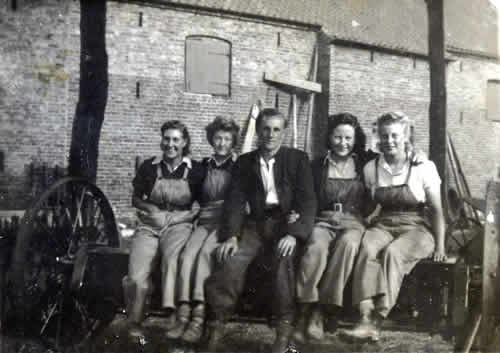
(489, 116)
(230, 62)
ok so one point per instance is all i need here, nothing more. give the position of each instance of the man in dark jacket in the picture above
(275, 181)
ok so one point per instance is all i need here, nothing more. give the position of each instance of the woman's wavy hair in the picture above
(221, 123)
(399, 118)
(347, 119)
(178, 125)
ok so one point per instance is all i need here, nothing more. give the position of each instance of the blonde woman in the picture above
(400, 236)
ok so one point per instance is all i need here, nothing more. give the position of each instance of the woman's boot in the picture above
(183, 315)
(366, 329)
(194, 329)
(315, 328)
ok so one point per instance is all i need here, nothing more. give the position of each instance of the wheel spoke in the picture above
(78, 216)
(67, 215)
(52, 312)
(97, 216)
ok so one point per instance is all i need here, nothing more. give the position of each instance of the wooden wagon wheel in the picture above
(464, 239)
(73, 215)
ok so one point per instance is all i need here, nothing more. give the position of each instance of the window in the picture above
(208, 65)
(493, 100)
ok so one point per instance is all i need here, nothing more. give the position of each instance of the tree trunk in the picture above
(437, 109)
(93, 93)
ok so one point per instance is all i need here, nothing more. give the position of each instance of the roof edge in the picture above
(378, 47)
(477, 53)
(231, 13)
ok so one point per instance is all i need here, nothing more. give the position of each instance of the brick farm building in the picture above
(195, 59)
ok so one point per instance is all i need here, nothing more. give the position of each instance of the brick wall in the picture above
(476, 138)
(39, 47)
(153, 54)
(368, 84)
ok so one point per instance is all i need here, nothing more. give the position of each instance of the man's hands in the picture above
(286, 245)
(228, 248)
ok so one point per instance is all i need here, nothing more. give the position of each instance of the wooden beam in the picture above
(294, 83)
(307, 143)
(491, 252)
(437, 109)
(294, 117)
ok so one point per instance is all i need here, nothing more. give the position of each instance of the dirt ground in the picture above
(241, 337)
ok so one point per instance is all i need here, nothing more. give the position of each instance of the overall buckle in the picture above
(337, 207)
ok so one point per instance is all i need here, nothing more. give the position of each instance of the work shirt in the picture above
(267, 173)
(347, 171)
(146, 176)
(219, 189)
(424, 177)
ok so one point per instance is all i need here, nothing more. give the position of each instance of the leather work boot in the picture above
(194, 329)
(283, 333)
(365, 331)
(299, 333)
(135, 330)
(216, 332)
(183, 315)
(315, 329)
(332, 323)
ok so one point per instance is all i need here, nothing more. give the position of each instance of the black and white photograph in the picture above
(285, 176)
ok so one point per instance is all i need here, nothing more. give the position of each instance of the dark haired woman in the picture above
(400, 235)
(164, 190)
(197, 257)
(324, 270)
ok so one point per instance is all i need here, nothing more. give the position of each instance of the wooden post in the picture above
(294, 116)
(308, 144)
(437, 109)
(491, 252)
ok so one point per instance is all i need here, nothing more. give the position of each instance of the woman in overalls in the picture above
(400, 236)
(197, 257)
(324, 269)
(164, 190)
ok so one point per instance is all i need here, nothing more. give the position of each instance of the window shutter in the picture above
(208, 65)
(493, 100)
(219, 65)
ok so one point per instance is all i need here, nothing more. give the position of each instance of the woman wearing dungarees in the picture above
(333, 245)
(400, 236)
(197, 260)
(164, 190)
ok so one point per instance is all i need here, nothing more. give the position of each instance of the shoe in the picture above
(283, 334)
(193, 332)
(216, 332)
(183, 316)
(315, 328)
(332, 324)
(170, 321)
(365, 331)
(178, 330)
(135, 330)
(299, 333)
